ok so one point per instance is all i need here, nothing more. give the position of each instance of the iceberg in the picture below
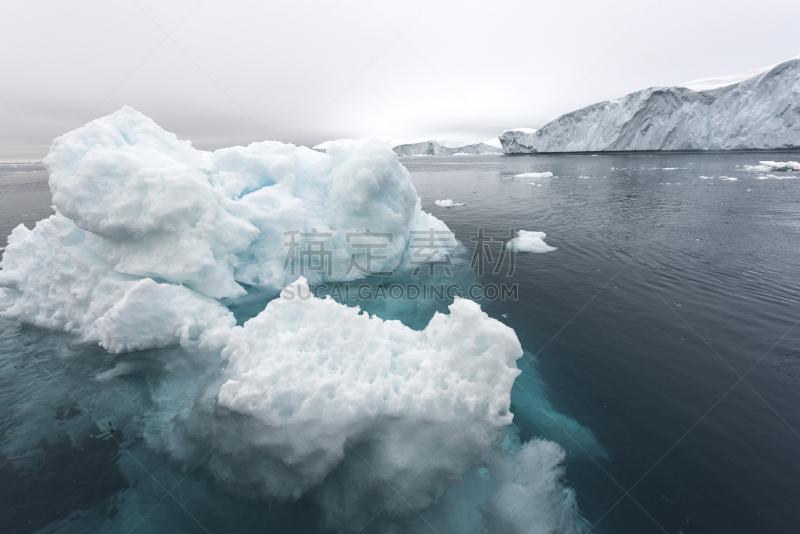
(738, 112)
(433, 147)
(149, 241)
(513, 141)
(152, 206)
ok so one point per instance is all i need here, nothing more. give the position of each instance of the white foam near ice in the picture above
(149, 234)
(527, 241)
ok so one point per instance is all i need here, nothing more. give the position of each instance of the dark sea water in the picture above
(664, 323)
(24, 196)
(664, 291)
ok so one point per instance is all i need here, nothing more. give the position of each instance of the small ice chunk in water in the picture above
(772, 166)
(530, 242)
(546, 174)
(447, 203)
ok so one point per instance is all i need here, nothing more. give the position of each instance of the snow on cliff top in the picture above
(708, 84)
(523, 130)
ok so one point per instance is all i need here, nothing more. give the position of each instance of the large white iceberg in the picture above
(150, 238)
(757, 112)
(154, 206)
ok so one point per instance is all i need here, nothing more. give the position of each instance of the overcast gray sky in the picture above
(232, 72)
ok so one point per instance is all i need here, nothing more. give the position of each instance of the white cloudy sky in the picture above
(222, 72)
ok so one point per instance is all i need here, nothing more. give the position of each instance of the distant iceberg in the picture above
(433, 147)
(754, 110)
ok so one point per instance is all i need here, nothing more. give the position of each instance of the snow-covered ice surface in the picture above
(447, 203)
(152, 242)
(718, 82)
(759, 112)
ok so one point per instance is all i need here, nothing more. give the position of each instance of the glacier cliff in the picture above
(760, 112)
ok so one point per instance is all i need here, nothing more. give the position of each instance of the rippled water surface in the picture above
(665, 290)
(664, 323)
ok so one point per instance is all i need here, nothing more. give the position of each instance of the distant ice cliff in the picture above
(433, 147)
(761, 111)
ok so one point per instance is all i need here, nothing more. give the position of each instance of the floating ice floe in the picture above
(774, 166)
(527, 241)
(546, 174)
(447, 203)
(533, 183)
(728, 178)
